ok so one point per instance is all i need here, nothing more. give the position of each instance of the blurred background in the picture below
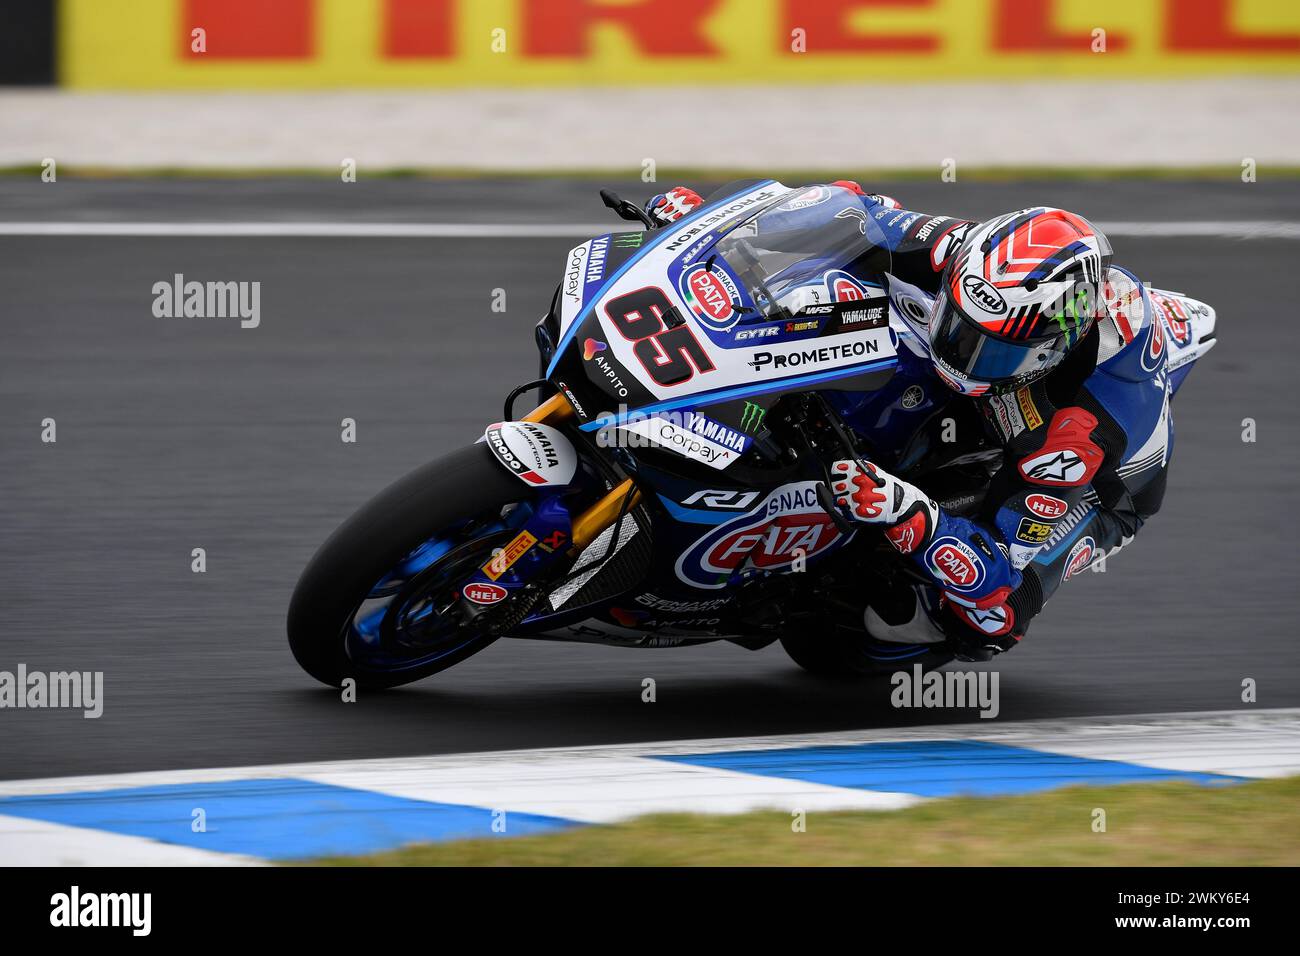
(580, 85)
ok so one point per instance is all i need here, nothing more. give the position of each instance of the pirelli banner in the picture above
(298, 44)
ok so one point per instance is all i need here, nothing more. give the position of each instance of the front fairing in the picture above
(707, 323)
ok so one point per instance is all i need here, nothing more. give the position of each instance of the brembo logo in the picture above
(984, 295)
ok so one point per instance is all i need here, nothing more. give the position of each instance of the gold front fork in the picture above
(588, 525)
(554, 410)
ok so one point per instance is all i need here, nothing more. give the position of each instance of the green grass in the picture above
(964, 174)
(1171, 824)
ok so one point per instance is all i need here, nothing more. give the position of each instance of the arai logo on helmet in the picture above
(710, 293)
(984, 295)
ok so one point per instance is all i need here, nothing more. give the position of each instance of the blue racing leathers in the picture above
(1085, 451)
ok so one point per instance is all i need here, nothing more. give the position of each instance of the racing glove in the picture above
(668, 207)
(874, 496)
(876, 198)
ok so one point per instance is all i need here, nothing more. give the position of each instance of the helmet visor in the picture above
(973, 353)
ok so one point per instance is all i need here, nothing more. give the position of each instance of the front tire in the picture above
(362, 554)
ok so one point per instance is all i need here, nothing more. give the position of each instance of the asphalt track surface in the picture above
(177, 434)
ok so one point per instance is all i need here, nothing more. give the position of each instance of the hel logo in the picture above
(484, 593)
(985, 297)
(1080, 557)
(956, 564)
(591, 347)
(1045, 506)
(789, 526)
(710, 293)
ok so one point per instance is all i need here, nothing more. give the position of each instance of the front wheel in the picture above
(379, 601)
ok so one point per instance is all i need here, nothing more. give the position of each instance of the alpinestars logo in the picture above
(993, 621)
(1056, 468)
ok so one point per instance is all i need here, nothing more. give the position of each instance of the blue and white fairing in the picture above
(766, 291)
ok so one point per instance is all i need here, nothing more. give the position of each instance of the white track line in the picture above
(604, 784)
(1227, 229)
(1267, 744)
(37, 843)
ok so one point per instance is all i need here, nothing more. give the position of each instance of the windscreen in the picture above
(821, 246)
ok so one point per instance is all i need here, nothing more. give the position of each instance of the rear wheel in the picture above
(379, 602)
(847, 653)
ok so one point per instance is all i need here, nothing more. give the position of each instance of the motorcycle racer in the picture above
(1064, 355)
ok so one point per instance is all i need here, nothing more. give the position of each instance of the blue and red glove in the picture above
(668, 207)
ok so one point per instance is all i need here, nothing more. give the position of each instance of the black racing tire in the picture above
(372, 542)
(841, 653)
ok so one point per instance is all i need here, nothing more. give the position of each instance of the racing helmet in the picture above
(1022, 292)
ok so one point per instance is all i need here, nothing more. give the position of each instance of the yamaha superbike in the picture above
(671, 487)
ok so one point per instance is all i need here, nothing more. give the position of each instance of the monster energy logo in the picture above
(752, 416)
(629, 240)
(1073, 309)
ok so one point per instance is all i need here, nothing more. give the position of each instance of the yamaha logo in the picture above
(984, 295)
